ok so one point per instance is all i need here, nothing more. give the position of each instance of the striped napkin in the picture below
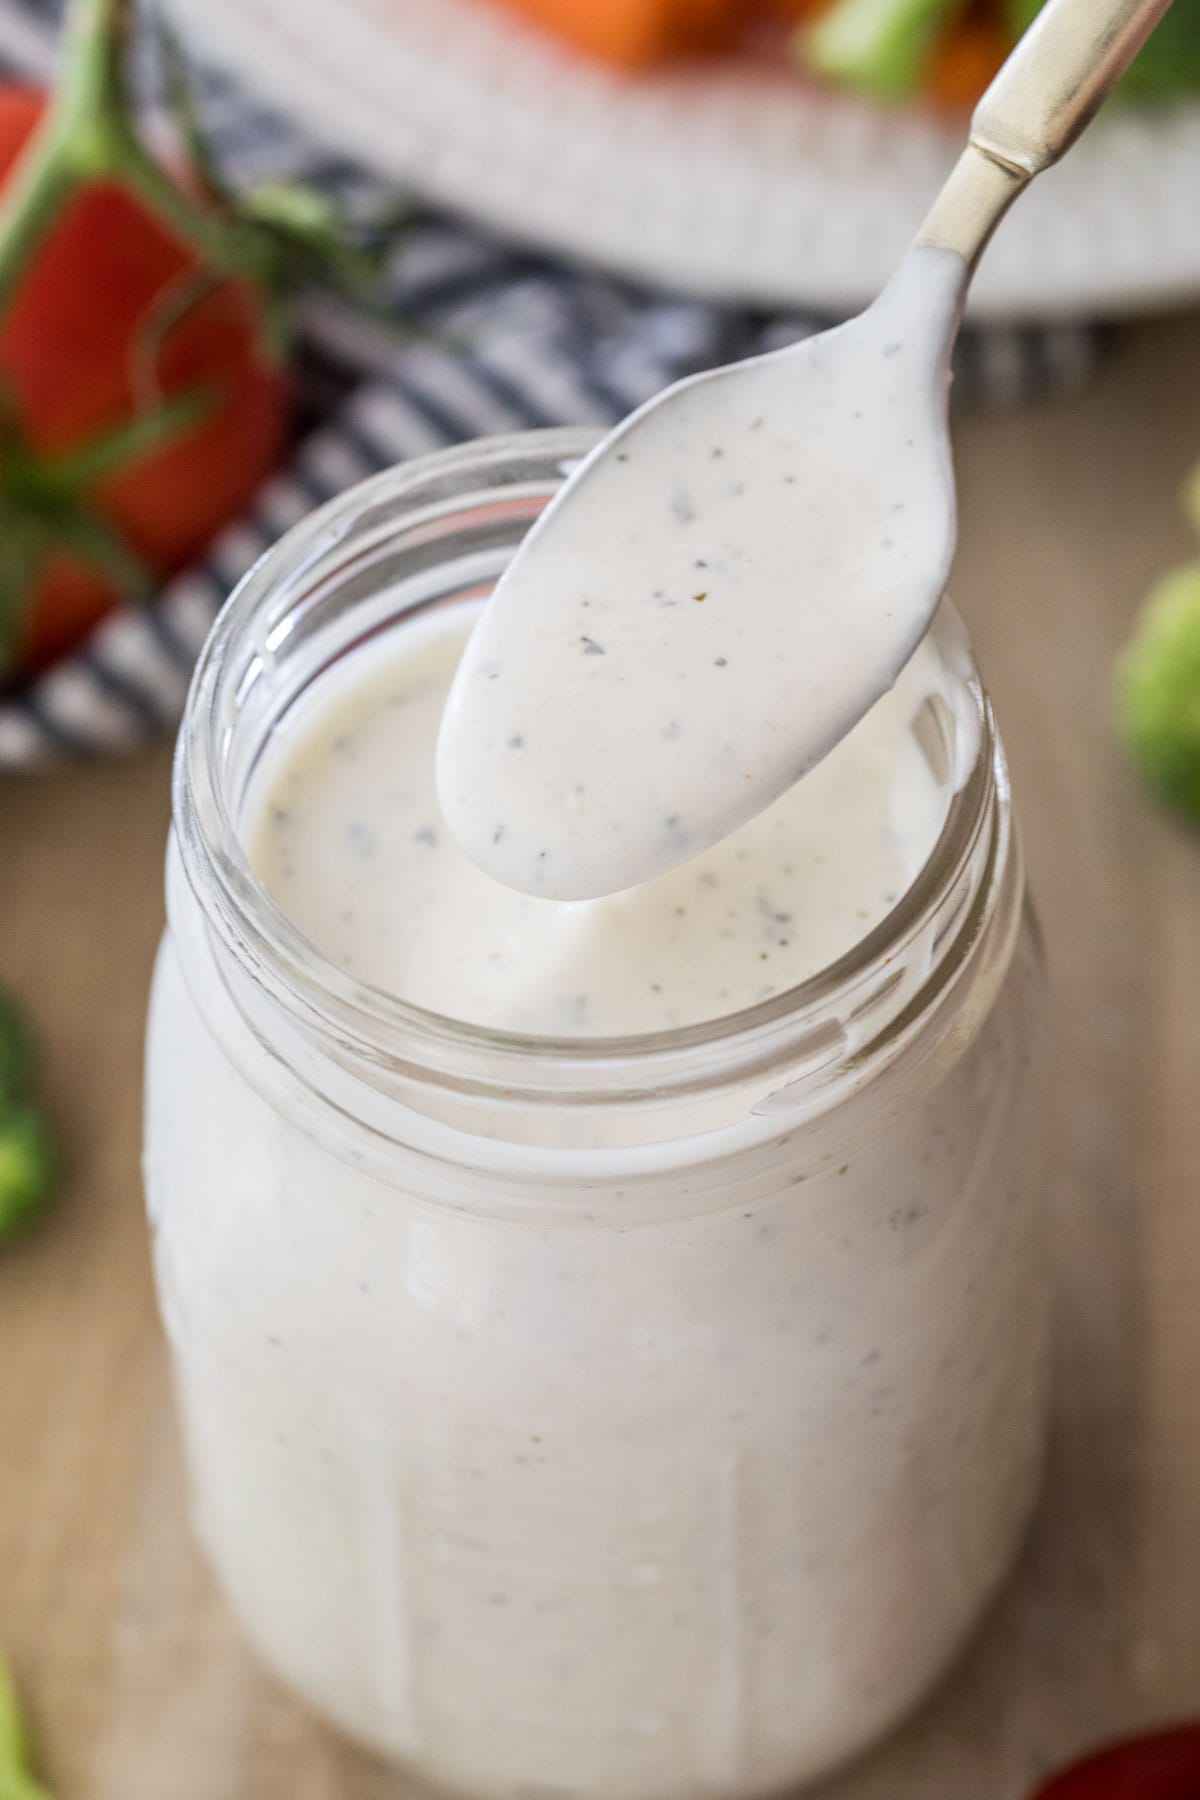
(505, 339)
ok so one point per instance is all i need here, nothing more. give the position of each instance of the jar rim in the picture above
(384, 1030)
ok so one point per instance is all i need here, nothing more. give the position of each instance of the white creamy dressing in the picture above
(605, 1472)
(347, 836)
(602, 1486)
(722, 590)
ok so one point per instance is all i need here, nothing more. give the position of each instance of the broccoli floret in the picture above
(1169, 61)
(26, 1166)
(1158, 690)
(879, 46)
(16, 1052)
(16, 1778)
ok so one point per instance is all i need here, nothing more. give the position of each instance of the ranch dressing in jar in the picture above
(625, 1417)
(348, 837)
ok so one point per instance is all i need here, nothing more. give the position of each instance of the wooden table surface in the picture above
(134, 1673)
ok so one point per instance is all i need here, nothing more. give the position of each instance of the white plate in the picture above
(731, 180)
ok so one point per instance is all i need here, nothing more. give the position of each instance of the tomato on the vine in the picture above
(78, 355)
(143, 328)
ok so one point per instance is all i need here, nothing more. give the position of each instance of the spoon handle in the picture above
(1053, 83)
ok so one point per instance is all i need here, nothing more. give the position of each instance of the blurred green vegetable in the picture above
(878, 46)
(1158, 690)
(16, 1777)
(16, 1052)
(26, 1170)
(26, 1149)
(1170, 61)
(888, 47)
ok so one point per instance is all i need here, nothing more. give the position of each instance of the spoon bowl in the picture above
(716, 596)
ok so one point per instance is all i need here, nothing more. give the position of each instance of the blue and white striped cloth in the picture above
(504, 339)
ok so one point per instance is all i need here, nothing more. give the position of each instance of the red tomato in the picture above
(69, 350)
(1165, 1766)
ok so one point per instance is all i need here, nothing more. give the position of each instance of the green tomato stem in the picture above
(45, 506)
(125, 444)
(89, 134)
(75, 138)
(39, 192)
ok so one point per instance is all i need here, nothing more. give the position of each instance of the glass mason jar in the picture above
(610, 1418)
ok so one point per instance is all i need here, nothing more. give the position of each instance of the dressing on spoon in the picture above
(739, 571)
(730, 593)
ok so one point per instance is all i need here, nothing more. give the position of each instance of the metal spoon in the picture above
(736, 573)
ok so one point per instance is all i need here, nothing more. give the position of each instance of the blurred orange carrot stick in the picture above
(630, 32)
(633, 33)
